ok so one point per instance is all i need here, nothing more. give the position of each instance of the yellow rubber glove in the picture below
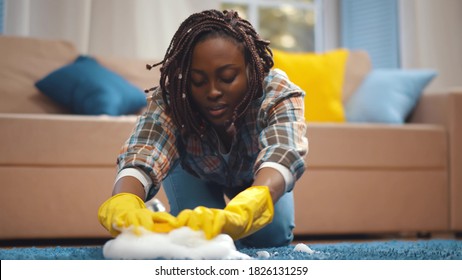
(126, 210)
(245, 214)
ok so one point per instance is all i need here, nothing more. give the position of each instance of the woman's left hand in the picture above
(245, 214)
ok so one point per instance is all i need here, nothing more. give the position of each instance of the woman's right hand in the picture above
(128, 211)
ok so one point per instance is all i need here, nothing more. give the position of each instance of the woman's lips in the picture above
(217, 111)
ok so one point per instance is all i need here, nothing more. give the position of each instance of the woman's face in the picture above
(218, 79)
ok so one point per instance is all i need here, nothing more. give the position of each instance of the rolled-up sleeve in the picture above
(151, 146)
(283, 139)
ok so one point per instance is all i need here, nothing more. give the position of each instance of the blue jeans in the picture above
(185, 191)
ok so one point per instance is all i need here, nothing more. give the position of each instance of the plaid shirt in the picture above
(272, 131)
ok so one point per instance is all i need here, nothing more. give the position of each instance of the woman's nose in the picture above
(214, 92)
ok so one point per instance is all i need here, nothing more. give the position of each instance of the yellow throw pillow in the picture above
(321, 76)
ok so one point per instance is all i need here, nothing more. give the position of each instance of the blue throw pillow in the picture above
(387, 95)
(86, 87)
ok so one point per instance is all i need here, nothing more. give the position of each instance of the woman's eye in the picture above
(197, 83)
(228, 80)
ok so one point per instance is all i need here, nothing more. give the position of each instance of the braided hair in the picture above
(176, 65)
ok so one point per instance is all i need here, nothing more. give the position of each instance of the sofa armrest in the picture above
(434, 107)
(446, 109)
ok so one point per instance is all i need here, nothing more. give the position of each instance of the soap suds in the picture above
(181, 243)
(300, 247)
(263, 254)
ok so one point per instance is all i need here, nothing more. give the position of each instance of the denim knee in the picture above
(280, 231)
(276, 234)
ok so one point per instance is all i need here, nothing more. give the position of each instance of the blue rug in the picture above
(435, 249)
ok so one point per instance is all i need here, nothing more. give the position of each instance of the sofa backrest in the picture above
(133, 70)
(24, 61)
(357, 67)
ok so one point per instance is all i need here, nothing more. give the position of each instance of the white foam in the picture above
(300, 247)
(181, 243)
(263, 254)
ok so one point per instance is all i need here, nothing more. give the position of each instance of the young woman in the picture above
(221, 123)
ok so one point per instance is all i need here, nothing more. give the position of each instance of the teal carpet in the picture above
(435, 249)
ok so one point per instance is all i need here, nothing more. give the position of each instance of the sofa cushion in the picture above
(321, 76)
(86, 87)
(377, 146)
(24, 61)
(63, 140)
(387, 95)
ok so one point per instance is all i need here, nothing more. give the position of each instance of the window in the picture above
(291, 25)
(1, 16)
(372, 26)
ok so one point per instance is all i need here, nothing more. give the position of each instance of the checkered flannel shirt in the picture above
(274, 130)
